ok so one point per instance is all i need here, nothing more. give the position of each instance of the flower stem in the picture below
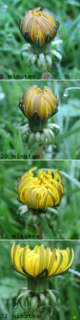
(39, 150)
(45, 75)
(39, 231)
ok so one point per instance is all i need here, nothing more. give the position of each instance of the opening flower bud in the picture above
(40, 192)
(40, 264)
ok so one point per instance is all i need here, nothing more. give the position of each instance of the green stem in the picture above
(39, 150)
(39, 232)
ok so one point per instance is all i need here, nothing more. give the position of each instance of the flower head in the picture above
(40, 192)
(38, 105)
(41, 262)
(38, 26)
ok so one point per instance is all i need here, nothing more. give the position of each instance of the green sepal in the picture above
(52, 297)
(42, 298)
(34, 304)
(29, 218)
(27, 274)
(36, 124)
(42, 273)
(38, 284)
(23, 294)
(56, 293)
(46, 301)
(31, 139)
(22, 298)
(18, 295)
(49, 138)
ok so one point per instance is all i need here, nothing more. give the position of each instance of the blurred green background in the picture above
(64, 225)
(67, 285)
(66, 12)
(66, 144)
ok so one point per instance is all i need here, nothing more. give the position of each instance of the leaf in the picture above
(66, 134)
(75, 181)
(46, 228)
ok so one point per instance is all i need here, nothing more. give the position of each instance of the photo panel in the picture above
(40, 199)
(40, 40)
(40, 120)
(50, 283)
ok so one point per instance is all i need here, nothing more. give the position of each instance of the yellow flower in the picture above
(38, 26)
(40, 192)
(37, 103)
(41, 262)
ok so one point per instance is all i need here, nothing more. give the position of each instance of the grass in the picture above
(63, 225)
(67, 142)
(66, 12)
(67, 285)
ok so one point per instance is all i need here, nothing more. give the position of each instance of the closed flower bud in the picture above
(38, 27)
(38, 105)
